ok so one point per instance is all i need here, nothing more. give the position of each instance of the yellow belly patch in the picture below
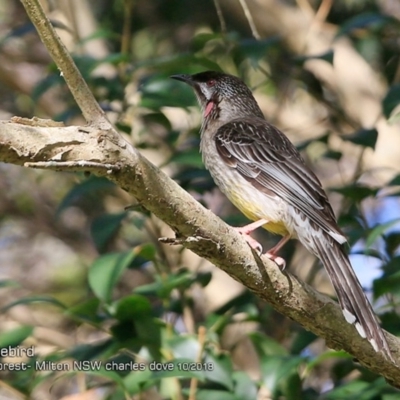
(252, 212)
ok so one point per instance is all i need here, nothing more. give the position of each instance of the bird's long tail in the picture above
(355, 306)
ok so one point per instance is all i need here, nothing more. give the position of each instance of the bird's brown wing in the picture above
(265, 157)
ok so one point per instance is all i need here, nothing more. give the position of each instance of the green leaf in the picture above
(102, 373)
(164, 286)
(180, 367)
(392, 243)
(327, 355)
(323, 139)
(356, 192)
(368, 251)
(291, 388)
(302, 340)
(395, 181)
(196, 179)
(333, 155)
(104, 229)
(138, 381)
(207, 394)
(100, 33)
(254, 50)
(157, 118)
(327, 56)
(86, 64)
(181, 63)
(199, 41)
(9, 283)
(245, 388)
(106, 271)
(190, 158)
(265, 345)
(132, 307)
(391, 100)
(393, 396)
(387, 285)
(18, 31)
(86, 311)
(160, 91)
(357, 390)
(34, 299)
(153, 288)
(45, 84)
(394, 118)
(84, 352)
(379, 231)
(276, 369)
(204, 278)
(111, 375)
(390, 321)
(135, 314)
(15, 337)
(91, 188)
(184, 346)
(363, 21)
(238, 303)
(115, 59)
(222, 370)
(139, 334)
(363, 137)
(144, 253)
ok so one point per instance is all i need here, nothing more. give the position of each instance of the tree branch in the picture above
(99, 148)
(196, 228)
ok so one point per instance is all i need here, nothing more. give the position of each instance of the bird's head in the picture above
(221, 95)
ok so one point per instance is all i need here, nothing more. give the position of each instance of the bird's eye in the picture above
(211, 83)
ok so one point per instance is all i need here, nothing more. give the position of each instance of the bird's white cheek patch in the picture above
(209, 107)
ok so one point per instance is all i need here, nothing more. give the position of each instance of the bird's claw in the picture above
(279, 261)
(251, 242)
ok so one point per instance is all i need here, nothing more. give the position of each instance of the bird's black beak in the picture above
(193, 83)
(184, 78)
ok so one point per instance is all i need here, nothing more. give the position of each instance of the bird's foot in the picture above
(271, 254)
(252, 242)
(279, 261)
(246, 230)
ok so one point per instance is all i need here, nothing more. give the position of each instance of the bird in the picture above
(263, 174)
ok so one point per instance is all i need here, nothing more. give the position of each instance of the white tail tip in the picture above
(361, 330)
(374, 344)
(350, 317)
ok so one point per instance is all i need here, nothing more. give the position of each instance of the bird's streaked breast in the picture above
(252, 203)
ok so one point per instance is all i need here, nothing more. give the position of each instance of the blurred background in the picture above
(82, 274)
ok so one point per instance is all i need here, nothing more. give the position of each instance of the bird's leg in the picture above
(271, 254)
(247, 229)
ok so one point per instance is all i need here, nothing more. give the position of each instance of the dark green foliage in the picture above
(391, 100)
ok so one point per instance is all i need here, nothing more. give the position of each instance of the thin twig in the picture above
(126, 34)
(194, 381)
(323, 10)
(250, 19)
(220, 16)
(305, 6)
(91, 110)
(81, 164)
